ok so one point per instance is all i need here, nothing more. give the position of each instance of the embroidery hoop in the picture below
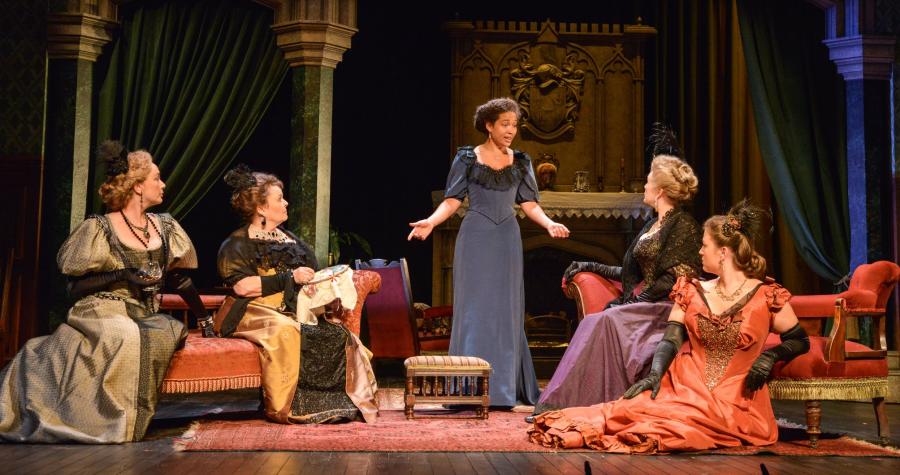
(328, 273)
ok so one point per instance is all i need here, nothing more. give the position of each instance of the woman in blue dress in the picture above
(488, 290)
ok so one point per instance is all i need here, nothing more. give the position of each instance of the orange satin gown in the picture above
(702, 403)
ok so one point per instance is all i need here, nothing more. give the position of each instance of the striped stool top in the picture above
(446, 362)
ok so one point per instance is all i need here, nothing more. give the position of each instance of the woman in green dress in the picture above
(96, 379)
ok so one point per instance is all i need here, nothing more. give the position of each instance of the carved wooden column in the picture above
(76, 34)
(313, 36)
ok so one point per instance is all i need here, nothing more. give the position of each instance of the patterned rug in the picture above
(502, 432)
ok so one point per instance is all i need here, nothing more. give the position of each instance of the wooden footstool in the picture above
(448, 380)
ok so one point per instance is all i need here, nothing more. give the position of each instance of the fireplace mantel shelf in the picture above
(559, 204)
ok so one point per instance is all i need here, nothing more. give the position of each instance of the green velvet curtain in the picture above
(701, 88)
(798, 101)
(189, 82)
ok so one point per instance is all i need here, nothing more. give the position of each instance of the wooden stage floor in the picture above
(156, 454)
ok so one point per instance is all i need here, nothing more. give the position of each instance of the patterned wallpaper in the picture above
(22, 76)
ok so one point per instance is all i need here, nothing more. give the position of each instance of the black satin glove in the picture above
(666, 350)
(603, 270)
(794, 342)
(80, 287)
(184, 287)
(280, 282)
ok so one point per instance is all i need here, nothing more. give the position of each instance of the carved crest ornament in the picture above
(549, 95)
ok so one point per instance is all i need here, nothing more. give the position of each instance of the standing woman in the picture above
(488, 290)
(313, 372)
(96, 378)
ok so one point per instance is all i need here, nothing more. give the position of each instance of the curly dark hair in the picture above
(490, 111)
(250, 189)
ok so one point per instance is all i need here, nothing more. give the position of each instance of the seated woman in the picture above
(96, 378)
(314, 373)
(612, 349)
(714, 394)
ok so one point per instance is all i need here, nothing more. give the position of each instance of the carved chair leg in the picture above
(409, 399)
(813, 418)
(884, 430)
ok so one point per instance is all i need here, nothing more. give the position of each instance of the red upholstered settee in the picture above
(216, 364)
(834, 368)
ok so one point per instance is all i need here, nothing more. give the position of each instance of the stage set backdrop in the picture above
(359, 106)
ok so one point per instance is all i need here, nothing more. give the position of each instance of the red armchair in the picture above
(216, 364)
(834, 368)
(591, 292)
(397, 327)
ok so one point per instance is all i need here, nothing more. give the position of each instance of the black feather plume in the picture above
(663, 141)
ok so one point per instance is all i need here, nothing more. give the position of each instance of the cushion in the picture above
(366, 282)
(212, 364)
(813, 364)
(445, 362)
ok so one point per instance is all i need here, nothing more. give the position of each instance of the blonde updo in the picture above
(737, 231)
(675, 177)
(117, 189)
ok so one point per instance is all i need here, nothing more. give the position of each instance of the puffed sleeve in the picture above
(85, 250)
(458, 178)
(683, 292)
(182, 254)
(236, 260)
(528, 187)
(776, 297)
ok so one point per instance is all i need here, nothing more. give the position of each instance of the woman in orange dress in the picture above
(709, 393)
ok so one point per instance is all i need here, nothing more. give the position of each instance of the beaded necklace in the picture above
(146, 230)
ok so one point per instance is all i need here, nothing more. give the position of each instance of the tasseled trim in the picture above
(828, 389)
(174, 386)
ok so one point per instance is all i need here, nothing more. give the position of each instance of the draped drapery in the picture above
(703, 89)
(797, 99)
(189, 82)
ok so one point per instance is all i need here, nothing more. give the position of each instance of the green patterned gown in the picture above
(96, 379)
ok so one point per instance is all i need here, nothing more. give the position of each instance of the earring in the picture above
(721, 265)
(263, 220)
(141, 195)
(656, 204)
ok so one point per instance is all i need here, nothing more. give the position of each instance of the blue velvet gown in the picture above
(488, 290)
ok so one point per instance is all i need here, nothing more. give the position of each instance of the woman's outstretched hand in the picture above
(421, 230)
(559, 231)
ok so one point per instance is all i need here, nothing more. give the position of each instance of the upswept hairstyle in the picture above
(738, 230)
(249, 189)
(490, 111)
(124, 170)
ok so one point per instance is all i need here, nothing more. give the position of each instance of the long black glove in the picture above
(184, 287)
(603, 270)
(281, 282)
(79, 287)
(666, 350)
(794, 342)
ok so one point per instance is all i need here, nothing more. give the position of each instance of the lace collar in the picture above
(499, 180)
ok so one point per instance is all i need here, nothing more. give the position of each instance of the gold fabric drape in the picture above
(701, 90)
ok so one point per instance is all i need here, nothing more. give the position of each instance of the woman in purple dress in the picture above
(612, 349)
(488, 290)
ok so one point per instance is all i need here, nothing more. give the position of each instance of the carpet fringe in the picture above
(180, 443)
(784, 423)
